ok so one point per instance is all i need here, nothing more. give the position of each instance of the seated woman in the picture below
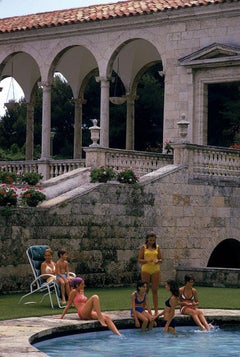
(170, 305)
(189, 302)
(48, 266)
(139, 305)
(88, 309)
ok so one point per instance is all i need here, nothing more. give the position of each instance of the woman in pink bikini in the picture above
(88, 309)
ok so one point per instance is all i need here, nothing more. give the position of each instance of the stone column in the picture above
(130, 130)
(104, 111)
(77, 146)
(46, 120)
(29, 132)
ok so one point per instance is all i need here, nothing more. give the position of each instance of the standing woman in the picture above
(150, 258)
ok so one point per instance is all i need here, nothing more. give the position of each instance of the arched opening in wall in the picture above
(224, 114)
(149, 110)
(226, 255)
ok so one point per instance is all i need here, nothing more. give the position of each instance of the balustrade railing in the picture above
(60, 167)
(140, 162)
(19, 167)
(206, 162)
(203, 162)
(55, 167)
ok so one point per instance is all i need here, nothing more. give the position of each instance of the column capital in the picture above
(44, 84)
(79, 101)
(103, 79)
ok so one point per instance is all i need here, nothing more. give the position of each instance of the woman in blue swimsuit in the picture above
(140, 309)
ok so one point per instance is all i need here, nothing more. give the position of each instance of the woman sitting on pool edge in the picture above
(140, 309)
(88, 309)
(189, 302)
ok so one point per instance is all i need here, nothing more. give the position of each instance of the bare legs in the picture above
(147, 320)
(65, 289)
(93, 303)
(198, 318)
(155, 280)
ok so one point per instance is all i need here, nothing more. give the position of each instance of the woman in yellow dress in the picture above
(150, 258)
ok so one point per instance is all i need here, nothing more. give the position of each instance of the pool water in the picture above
(189, 341)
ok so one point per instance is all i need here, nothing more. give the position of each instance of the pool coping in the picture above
(17, 335)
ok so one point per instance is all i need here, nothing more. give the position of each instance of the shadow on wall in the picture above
(226, 255)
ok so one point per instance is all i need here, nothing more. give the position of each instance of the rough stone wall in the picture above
(103, 229)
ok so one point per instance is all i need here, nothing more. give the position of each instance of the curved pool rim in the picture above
(18, 335)
(123, 323)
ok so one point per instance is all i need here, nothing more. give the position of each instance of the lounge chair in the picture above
(35, 256)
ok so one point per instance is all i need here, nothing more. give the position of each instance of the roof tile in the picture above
(97, 12)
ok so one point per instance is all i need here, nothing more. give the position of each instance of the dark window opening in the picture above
(226, 255)
(224, 114)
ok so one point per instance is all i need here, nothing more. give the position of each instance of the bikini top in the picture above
(167, 303)
(186, 298)
(80, 298)
(49, 269)
(138, 302)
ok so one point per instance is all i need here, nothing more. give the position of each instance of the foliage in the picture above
(31, 178)
(8, 195)
(32, 197)
(102, 174)
(235, 146)
(127, 176)
(7, 177)
(168, 147)
(157, 148)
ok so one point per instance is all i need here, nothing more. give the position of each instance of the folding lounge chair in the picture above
(35, 256)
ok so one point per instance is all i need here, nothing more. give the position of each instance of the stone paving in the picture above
(16, 335)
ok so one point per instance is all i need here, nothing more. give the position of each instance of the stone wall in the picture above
(216, 277)
(103, 228)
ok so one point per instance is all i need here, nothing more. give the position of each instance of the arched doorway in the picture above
(226, 255)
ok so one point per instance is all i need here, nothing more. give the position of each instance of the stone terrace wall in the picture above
(103, 229)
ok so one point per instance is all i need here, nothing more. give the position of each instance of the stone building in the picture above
(197, 43)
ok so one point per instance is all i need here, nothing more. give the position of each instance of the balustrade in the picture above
(203, 162)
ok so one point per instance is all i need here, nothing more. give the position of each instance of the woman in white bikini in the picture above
(189, 302)
(48, 266)
(88, 309)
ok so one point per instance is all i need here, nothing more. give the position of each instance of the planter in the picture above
(117, 100)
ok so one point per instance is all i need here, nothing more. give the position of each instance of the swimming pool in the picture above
(189, 341)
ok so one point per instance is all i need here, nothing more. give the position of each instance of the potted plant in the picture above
(8, 196)
(127, 176)
(168, 147)
(102, 174)
(8, 177)
(31, 178)
(32, 197)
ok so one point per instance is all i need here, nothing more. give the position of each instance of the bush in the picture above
(102, 174)
(8, 196)
(127, 176)
(8, 177)
(31, 178)
(32, 197)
